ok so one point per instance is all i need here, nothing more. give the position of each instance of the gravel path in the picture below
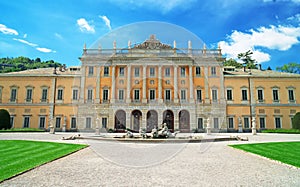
(199, 164)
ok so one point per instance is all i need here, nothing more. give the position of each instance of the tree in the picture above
(292, 67)
(232, 62)
(296, 121)
(4, 119)
(247, 59)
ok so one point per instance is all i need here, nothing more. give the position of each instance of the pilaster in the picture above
(98, 85)
(144, 99)
(128, 100)
(160, 100)
(113, 84)
(191, 84)
(175, 84)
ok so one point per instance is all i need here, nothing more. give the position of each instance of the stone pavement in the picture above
(139, 164)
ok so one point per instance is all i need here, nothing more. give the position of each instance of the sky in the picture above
(59, 29)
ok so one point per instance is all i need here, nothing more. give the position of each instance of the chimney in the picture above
(54, 71)
(259, 66)
(244, 68)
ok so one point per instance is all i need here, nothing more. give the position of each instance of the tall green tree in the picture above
(232, 62)
(249, 62)
(292, 67)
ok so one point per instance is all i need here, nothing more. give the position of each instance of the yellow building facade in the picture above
(145, 85)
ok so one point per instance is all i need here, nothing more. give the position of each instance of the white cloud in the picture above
(45, 50)
(58, 36)
(106, 21)
(84, 26)
(295, 18)
(6, 30)
(273, 37)
(25, 36)
(25, 42)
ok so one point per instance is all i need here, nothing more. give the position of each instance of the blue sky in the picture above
(58, 29)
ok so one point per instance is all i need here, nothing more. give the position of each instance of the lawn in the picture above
(22, 130)
(286, 152)
(17, 156)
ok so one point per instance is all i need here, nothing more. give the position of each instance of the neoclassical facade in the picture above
(145, 85)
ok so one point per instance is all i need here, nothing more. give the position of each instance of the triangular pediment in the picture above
(152, 43)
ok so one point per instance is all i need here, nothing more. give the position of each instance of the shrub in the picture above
(296, 121)
(4, 119)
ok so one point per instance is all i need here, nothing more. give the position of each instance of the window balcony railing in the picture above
(28, 100)
(13, 100)
(292, 101)
(105, 101)
(44, 100)
(135, 100)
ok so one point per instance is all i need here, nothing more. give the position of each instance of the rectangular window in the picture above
(229, 95)
(215, 95)
(60, 94)
(104, 122)
(275, 95)
(136, 72)
(137, 95)
(152, 72)
(216, 123)
(44, 95)
(291, 95)
(91, 70)
(121, 73)
(246, 123)
(90, 95)
(121, 95)
(88, 123)
(182, 71)
(75, 95)
(198, 71)
(167, 72)
(168, 95)
(13, 95)
(200, 123)
(106, 71)
(42, 122)
(262, 123)
(230, 123)
(26, 122)
(12, 121)
(57, 122)
(244, 95)
(277, 123)
(152, 94)
(73, 122)
(183, 95)
(213, 71)
(260, 95)
(105, 95)
(199, 95)
(28, 95)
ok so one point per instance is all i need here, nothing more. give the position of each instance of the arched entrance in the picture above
(120, 120)
(184, 121)
(168, 118)
(152, 120)
(136, 119)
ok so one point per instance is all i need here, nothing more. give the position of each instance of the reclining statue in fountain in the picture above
(163, 132)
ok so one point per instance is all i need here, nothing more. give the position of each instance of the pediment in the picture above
(152, 43)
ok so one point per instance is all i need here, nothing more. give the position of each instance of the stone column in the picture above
(128, 117)
(160, 100)
(176, 120)
(82, 83)
(113, 84)
(206, 87)
(144, 119)
(191, 84)
(128, 100)
(175, 84)
(222, 92)
(98, 85)
(144, 99)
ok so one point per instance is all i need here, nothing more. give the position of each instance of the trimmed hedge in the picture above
(283, 131)
(4, 119)
(296, 121)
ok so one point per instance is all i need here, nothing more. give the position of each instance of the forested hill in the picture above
(23, 63)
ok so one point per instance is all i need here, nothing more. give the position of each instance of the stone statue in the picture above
(253, 126)
(208, 128)
(129, 134)
(240, 125)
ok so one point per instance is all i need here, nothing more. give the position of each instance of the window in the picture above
(262, 123)
(136, 72)
(183, 95)
(121, 73)
(182, 71)
(13, 95)
(216, 123)
(60, 94)
(200, 123)
(246, 123)
(29, 95)
(73, 122)
(291, 95)
(57, 122)
(42, 122)
(199, 95)
(105, 95)
(106, 71)
(90, 95)
(121, 82)
(198, 71)
(182, 82)
(152, 94)
(244, 95)
(213, 71)
(275, 95)
(91, 70)
(230, 123)
(277, 122)
(121, 95)
(26, 122)
(260, 95)
(152, 72)
(136, 95)
(215, 95)
(12, 121)
(44, 94)
(168, 95)
(229, 94)
(167, 81)
(75, 95)
(88, 123)
(152, 82)
(167, 72)
(104, 122)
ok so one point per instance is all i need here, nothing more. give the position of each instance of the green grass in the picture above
(17, 156)
(284, 131)
(286, 152)
(22, 130)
